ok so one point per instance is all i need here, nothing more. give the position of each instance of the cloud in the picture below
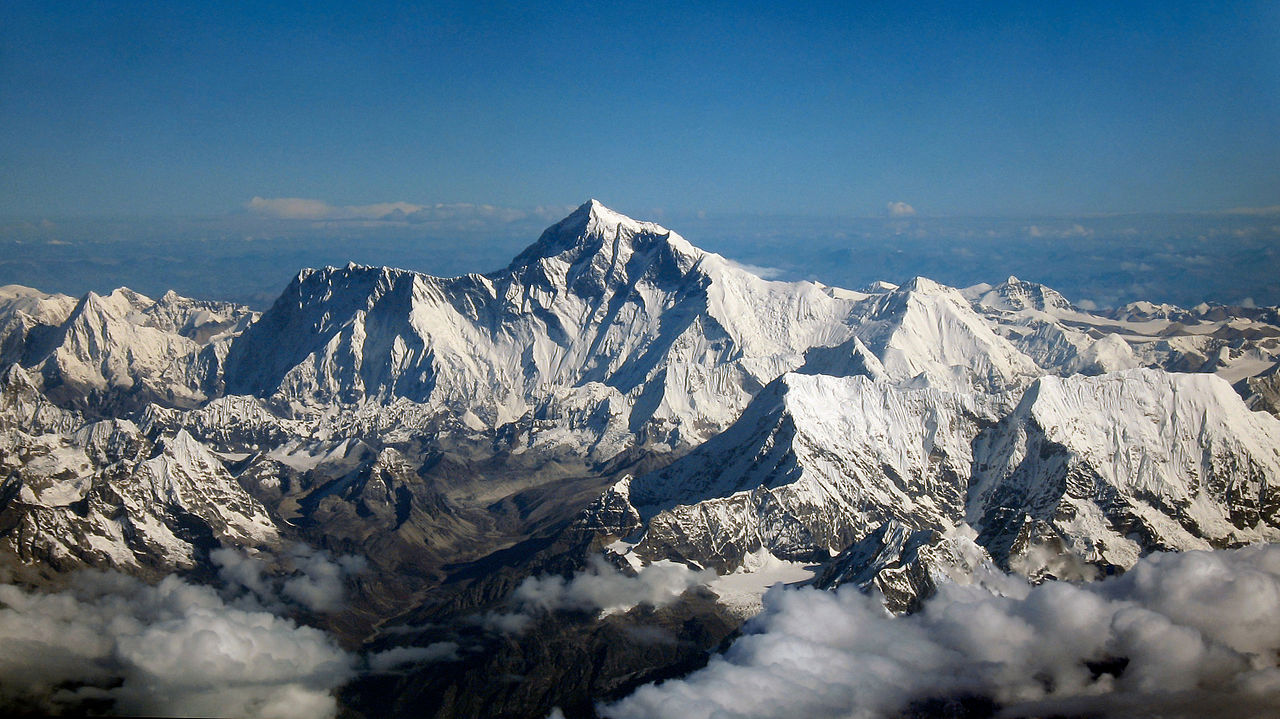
(454, 216)
(1254, 211)
(302, 208)
(900, 209)
(320, 580)
(170, 649)
(761, 271)
(398, 656)
(1064, 232)
(602, 587)
(1179, 635)
(303, 576)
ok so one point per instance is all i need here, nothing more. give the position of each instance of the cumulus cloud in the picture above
(900, 209)
(1179, 635)
(303, 576)
(601, 588)
(171, 649)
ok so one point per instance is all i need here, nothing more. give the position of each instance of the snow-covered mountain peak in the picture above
(596, 236)
(120, 303)
(1014, 295)
(922, 285)
(927, 330)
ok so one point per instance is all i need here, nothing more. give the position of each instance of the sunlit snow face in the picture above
(1185, 635)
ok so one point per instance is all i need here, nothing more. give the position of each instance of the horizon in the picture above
(1100, 261)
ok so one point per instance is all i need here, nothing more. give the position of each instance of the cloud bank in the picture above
(173, 649)
(1185, 635)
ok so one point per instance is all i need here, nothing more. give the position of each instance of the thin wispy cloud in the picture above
(303, 208)
(1255, 211)
(315, 210)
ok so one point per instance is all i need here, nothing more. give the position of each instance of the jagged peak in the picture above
(119, 303)
(924, 285)
(594, 228)
(878, 287)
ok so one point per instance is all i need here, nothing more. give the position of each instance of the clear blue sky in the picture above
(181, 108)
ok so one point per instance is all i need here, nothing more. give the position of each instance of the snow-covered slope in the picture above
(814, 463)
(1114, 466)
(27, 320)
(106, 496)
(926, 333)
(1083, 471)
(600, 311)
(119, 351)
(1237, 343)
(417, 418)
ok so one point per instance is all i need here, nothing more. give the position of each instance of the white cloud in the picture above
(170, 649)
(605, 588)
(767, 273)
(398, 656)
(301, 208)
(320, 582)
(292, 208)
(1060, 231)
(900, 209)
(600, 588)
(458, 215)
(304, 576)
(1189, 635)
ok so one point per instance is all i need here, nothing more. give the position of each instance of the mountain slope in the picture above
(813, 464)
(926, 333)
(1115, 466)
(601, 307)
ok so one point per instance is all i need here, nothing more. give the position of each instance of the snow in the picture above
(806, 415)
(743, 589)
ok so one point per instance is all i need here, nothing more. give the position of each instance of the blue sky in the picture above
(825, 109)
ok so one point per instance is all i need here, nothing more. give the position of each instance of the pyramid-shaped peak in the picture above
(594, 217)
(923, 285)
(594, 228)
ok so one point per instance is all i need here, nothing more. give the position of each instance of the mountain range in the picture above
(618, 395)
